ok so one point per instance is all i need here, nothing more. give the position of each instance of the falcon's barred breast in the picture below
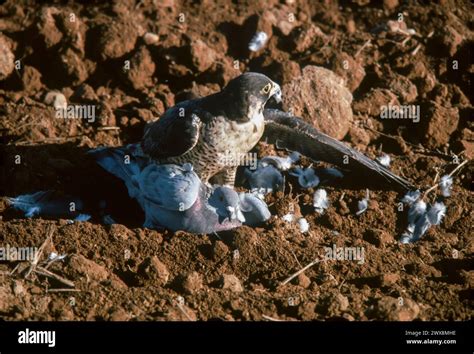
(215, 132)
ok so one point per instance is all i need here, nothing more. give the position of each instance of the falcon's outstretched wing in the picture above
(175, 133)
(294, 134)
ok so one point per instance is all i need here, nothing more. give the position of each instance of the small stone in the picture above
(192, 283)
(231, 282)
(306, 310)
(390, 4)
(151, 38)
(202, 56)
(402, 309)
(117, 39)
(307, 36)
(7, 58)
(437, 124)
(18, 288)
(141, 70)
(219, 250)
(153, 268)
(119, 314)
(349, 69)
(336, 304)
(56, 99)
(378, 237)
(31, 79)
(303, 281)
(446, 42)
(402, 87)
(86, 267)
(372, 103)
(388, 279)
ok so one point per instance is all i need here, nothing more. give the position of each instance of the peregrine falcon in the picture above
(205, 131)
(213, 133)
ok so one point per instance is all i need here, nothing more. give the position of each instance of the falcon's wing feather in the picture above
(294, 134)
(175, 133)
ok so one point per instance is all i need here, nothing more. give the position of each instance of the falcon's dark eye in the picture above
(266, 89)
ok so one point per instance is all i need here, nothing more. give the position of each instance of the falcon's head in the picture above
(250, 92)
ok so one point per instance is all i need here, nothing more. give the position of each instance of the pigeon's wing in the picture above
(175, 133)
(122, 163)
(171, 187)
(292, 133)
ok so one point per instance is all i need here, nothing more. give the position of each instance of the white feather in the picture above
(303, 225)
(320, 200)
(411, 197)
(446, 183)
(384, 160)
(436, 213)
(288, 217)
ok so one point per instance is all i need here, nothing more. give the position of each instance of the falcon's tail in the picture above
(292, 133)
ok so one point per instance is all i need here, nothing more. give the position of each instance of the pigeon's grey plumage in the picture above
(172, 196)
(265, 178)
(254, 209)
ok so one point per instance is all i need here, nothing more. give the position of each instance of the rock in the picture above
(56, 99)
(244, 239)
(153, 268)
(307, 36)
(219, 250)
(88, 268)
(191, 283)
(390, 4)
(231, 282)
(85, 93)
(336, 304)
(303, 281)
(437, 124)
(47, 26)
(321, 98)
(223, 71)
(31, 79)
(446, 42)
(117, 39)
(359, 136)
(74, 67)
(377, 237)
(372, 103)
(141, 70)
(349, 69)
(402, 309)
(202, 56)
(119, 314)
(7, 58)
(402, 87)
(18, 288)
(387, 279)
(151, 38)
(306, 310)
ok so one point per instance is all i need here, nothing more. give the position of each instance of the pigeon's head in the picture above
(227, 203)
(251, 91)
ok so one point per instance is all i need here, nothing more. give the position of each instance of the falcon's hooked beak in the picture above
(276, 92)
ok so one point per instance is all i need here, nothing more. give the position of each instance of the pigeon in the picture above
(173, 196)
(265, 179)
